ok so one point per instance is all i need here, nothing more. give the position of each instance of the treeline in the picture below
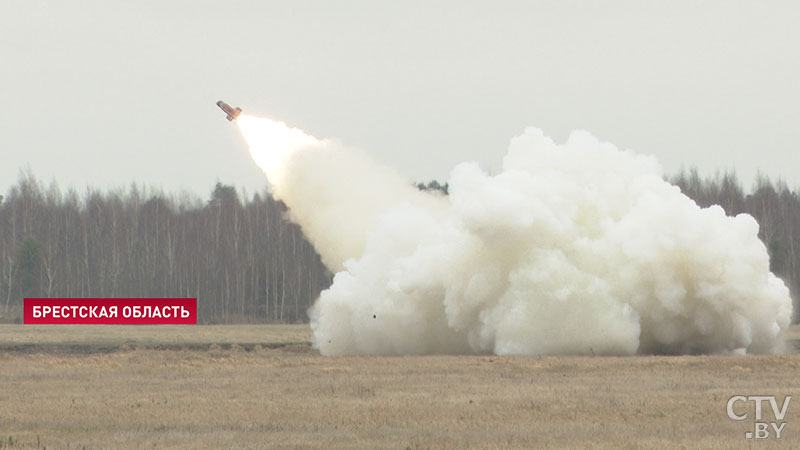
(240, 257)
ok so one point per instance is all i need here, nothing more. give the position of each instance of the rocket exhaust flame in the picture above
(270, 141)
(577, 248)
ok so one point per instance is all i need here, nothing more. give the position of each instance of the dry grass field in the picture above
(211, 387)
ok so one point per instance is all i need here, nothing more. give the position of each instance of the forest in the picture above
(241, 259)
(238, 254)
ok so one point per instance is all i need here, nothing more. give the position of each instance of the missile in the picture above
(232, 112)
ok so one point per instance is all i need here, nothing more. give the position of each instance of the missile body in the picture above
(232, 112)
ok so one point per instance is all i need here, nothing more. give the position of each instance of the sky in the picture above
(109, 93)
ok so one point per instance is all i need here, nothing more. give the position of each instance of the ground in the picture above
(261, 386)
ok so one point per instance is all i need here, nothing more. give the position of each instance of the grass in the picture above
(264, 387)
(106, 338)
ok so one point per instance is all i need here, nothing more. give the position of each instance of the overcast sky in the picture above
(110, 92)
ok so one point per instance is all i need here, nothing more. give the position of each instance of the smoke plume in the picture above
(577, 248)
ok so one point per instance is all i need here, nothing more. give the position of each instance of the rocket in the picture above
(232, 112)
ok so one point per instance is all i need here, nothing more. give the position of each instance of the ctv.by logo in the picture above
(762, 429)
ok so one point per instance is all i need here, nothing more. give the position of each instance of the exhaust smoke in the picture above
(577, 248)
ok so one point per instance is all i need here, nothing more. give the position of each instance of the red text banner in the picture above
(111, 311)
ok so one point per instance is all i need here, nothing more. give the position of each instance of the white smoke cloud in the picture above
(335, 194)
(572, 249)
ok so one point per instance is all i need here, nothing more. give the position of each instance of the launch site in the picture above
(557, 225)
